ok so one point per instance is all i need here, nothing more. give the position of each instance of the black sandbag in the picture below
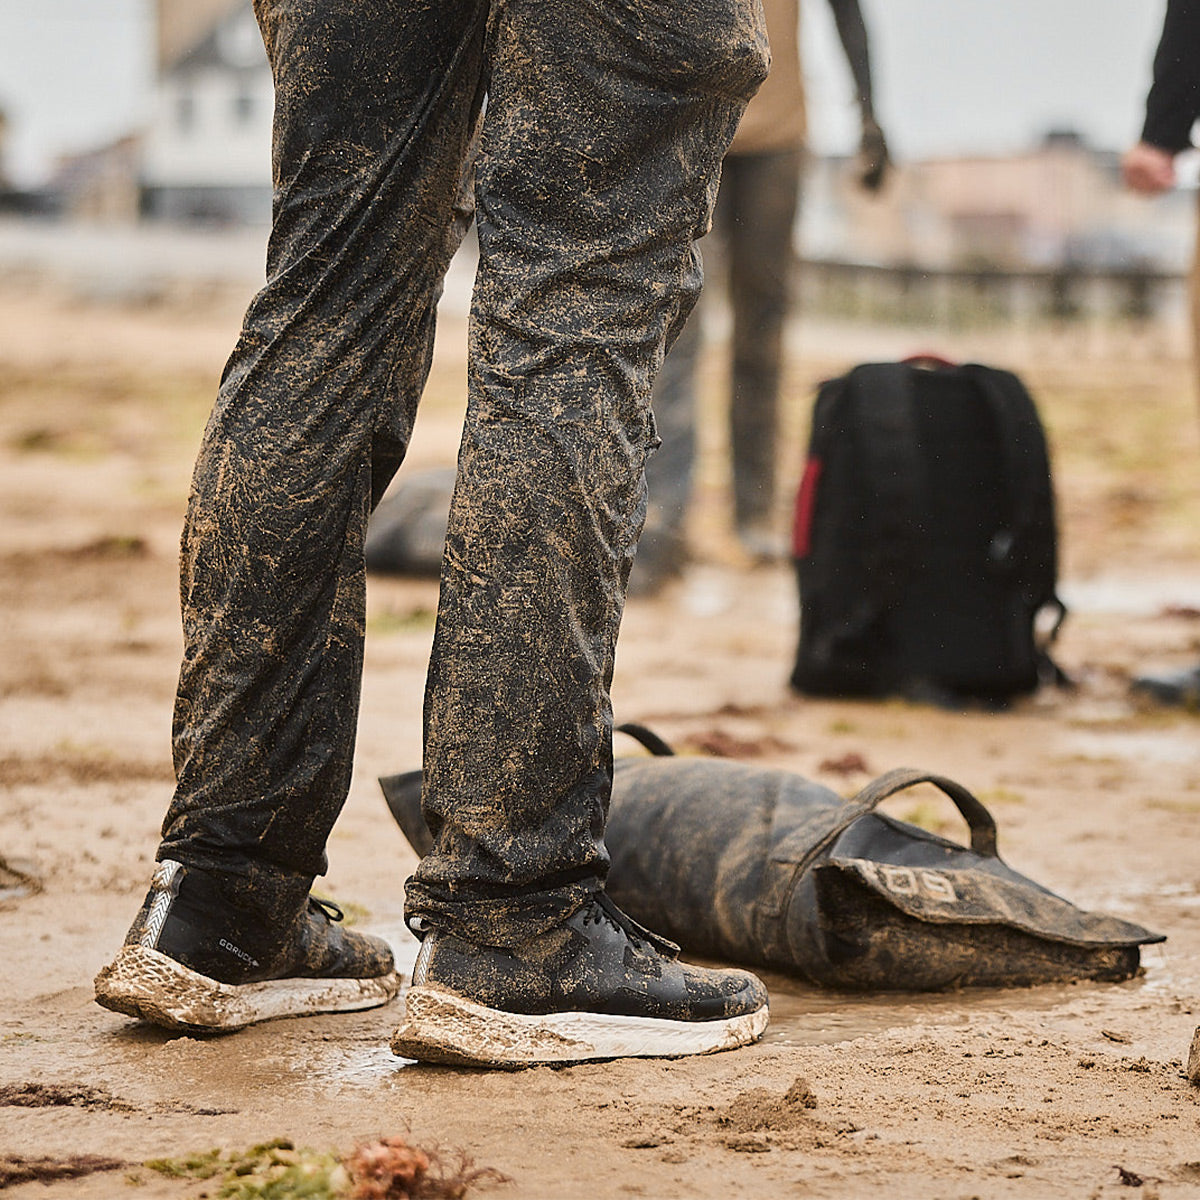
(766, 868)
(407, 530)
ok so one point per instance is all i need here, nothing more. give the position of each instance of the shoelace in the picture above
(601, 909)
(330, 910)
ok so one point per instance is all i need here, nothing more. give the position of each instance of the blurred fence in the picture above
(973, 298)
(152, 261)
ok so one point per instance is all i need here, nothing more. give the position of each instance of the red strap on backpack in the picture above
(928, 362)
(806, 502)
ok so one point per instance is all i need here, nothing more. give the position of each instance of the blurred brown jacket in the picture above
(776, 117)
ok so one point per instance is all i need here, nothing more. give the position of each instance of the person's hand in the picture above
(1148, 169)
(873, 158)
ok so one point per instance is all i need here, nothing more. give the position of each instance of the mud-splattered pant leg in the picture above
(375, 102)
(603, 136)
(754, 219)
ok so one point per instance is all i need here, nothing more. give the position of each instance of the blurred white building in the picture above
(1060, 203)
(206, 152)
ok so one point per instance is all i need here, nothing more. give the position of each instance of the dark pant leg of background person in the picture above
(375, 103)
(662, 550)
(755, 216)
(762, 191)
(602, 140)
(1180, 687)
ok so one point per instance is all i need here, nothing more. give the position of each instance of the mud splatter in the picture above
(1128, 1178)
(758, 1120)
(61, 1095)
(80, 765)
(19, 1168)
(16, 881)
(850, 763)
(1181, 612)
(762, 1110)
(720, 743)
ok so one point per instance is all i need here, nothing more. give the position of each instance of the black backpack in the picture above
(925, 539)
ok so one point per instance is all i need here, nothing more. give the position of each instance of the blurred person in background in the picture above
(755, 218)
(1172, 108)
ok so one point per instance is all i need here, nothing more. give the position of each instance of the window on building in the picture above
(243, 107)
(185, 112)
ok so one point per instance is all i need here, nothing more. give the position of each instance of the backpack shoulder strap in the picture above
(1030, 548)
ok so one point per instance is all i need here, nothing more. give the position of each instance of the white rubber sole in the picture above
(147, 984)
(443, 1027)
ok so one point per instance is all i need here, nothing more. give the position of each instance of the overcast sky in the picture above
(952, 76)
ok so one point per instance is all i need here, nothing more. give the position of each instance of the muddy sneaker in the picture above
(1176, 689)
(597, 986)
(195, 961)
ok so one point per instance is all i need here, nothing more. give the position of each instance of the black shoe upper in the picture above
(598, 961)
(188, 917)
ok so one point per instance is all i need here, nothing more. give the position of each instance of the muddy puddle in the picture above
(807, 1016)
(803, 1016)
(1176, 745)
(710, 590)
(366, 1065)
(17, 880)
(1139, 595)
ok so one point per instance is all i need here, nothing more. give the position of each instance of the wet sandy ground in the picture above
(1059, 1091)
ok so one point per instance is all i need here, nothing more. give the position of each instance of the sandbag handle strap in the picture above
(647, 738)
(980, 822)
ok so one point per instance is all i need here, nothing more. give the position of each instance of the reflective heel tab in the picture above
(165, 885)
(421, 967)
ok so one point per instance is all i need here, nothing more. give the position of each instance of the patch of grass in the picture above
(282, 1174)
(1080, 759)
(111, 545)
(1001, 795)
(1183, 807)
(389, 621)
(192, 1166)
(388, 1169)
(39, 440)
(78, 444)
(273, 1170)
(927, 816)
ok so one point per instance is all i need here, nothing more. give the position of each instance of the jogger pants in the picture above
(601, 139)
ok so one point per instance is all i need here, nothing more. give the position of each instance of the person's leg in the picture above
(375, 104)
(1194, 300)
(763, 192)
(662, 549)
(1179, 687)
(597, 173)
